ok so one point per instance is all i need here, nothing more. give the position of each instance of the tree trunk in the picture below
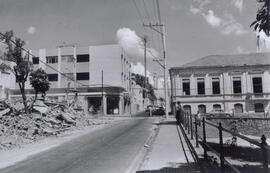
(24, 98)
(32, 104)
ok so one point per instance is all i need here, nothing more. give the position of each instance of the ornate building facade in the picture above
(232, 83)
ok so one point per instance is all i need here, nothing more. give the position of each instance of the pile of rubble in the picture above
(46, 119)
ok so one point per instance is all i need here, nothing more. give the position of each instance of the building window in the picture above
(237, 89)
(51, 59)
(83, 58)
(238, 108)
(68, 76)
(187, 108)
(67, 58)
(202, 109)
(35, 60)
(186, 87)
(53, 77)
(200, 86)
(257, 85)
(215, 86)
(83, 76)
(258, 107)
(216, 107)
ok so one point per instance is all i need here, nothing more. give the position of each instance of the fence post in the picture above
(191, 127)
(221, 157)
(185, 121)
(204, 140)
(264, 153)
(188, 124)
(196, 131)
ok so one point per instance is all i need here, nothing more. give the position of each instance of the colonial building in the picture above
(233, 83)
(99, 76)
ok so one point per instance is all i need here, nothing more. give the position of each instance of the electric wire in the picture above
(28, 52)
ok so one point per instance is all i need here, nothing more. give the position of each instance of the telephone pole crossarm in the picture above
(153, 27)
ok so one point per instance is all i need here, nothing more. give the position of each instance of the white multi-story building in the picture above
(7, 79)
(233, 83)
(79, 69)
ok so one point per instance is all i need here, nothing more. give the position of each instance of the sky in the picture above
(194, 28)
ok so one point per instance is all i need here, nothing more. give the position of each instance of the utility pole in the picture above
(161, 31)
(145, 75)
(102, 89)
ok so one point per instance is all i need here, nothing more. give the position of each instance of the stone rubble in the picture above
(46, 119)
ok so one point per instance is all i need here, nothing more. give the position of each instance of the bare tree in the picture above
(22, 68)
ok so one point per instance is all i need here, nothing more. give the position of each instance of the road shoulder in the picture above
(15, 155)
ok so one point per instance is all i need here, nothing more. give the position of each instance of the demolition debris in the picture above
(46, 119)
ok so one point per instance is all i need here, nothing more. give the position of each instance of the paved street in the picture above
(110, 149)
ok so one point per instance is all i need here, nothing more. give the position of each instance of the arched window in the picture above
(238, 108)
(202, 109)
(216, 107)
(187, 108)
(259, 107)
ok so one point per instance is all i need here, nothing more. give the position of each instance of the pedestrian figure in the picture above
(198, 115)
(178, 111)
(150, 111)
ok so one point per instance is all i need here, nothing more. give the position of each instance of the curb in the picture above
(145, 149)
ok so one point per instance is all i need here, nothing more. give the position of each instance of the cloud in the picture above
(238, 4)
(194, 10)
(31, 30)
(133, 45)
(138, 68)
(212, 19)
(241, 50)
(231, 26)
(226, 24)
(234, 28)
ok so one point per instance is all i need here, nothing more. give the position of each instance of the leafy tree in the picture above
(39, 81)
(148, 88)
(22, 66)
(262, 22)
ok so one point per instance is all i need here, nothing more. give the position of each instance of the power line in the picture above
(28, 52)
(146, 11)
(138, 12)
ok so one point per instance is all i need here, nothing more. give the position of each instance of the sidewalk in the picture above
(166, 153)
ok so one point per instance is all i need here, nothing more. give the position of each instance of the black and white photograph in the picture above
(134, 86)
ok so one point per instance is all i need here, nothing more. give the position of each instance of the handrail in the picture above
(218, 154)
(252, 141)
(236, 118)
(185, 117)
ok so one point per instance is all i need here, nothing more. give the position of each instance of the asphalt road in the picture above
(108, 150)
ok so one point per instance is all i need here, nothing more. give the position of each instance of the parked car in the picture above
(217, 113)
(148, 108)
(159, 111)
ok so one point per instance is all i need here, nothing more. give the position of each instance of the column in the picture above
(104, 105)
(59, 68)
(208, 85)
(193, 85)
(121, 101)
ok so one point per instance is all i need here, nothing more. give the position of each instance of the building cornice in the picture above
(217, 67)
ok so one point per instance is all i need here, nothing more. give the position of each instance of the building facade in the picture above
(232, 83)
(7, 79)
(99, 76)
